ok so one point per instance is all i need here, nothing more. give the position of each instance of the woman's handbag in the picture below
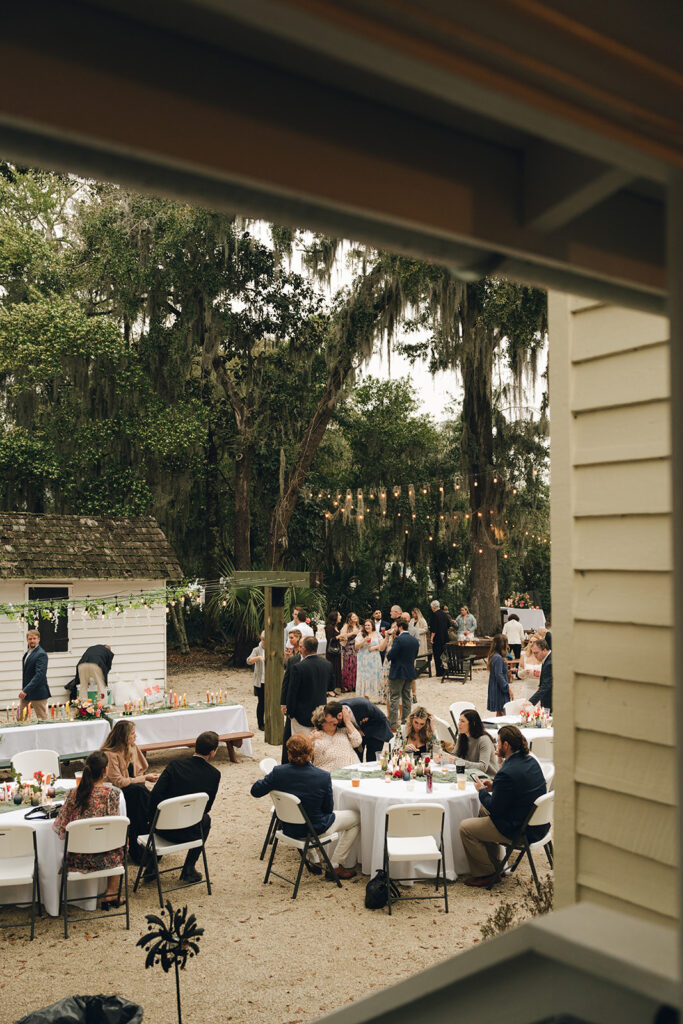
(333, 646)
(376, 891)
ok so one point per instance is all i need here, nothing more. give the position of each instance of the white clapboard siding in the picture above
(137, 637)
(613, 651)
(622, 905)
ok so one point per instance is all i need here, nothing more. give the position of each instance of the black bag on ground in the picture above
(376, 891)
(87, 1010)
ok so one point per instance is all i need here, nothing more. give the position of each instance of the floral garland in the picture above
(520, 600)
(95, 608)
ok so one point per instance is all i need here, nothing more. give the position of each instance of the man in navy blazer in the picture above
(309, 683)
(402, 655)
(34, 688)
(371, 721)
(313, 787)
(544, 693)
(505, 805)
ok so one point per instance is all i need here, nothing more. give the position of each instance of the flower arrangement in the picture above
(85, 708)
(519, 599)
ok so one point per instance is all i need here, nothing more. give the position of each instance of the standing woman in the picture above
(93, 798)
(127, 768)
(347, 639)
(499, 688)
(334, 651)
(369, 643)
(418, 628)
(513, 631)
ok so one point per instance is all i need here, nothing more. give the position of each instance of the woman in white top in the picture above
(514, 631)
(334, 741)
(418, 628)
(529, 668)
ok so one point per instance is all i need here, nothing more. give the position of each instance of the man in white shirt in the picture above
(298, 622)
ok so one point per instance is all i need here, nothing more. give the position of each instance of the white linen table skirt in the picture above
(164, 726)
(50, 857)
(371, 800)
(531, 618)
(64, 737)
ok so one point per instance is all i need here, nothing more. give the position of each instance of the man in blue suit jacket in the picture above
(313, 787)
(544, 693)
(372, 723)
(402, 655)
(506, 802)
(34, 688)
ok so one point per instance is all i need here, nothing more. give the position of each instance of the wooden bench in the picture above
(231, 740)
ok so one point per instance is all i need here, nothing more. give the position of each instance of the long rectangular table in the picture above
(176, 727)
(64, 737)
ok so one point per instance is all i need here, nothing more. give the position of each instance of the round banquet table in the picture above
(50, 857)
(185, 723)
(371, 800)
(64, 737)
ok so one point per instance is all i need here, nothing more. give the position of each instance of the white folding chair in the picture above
(266, 766)
(27, 762)
(541, 813)
(542, 747)
(19, 864)
(442, 731)
(513, 707)
(172, 815)
(409, 833)
(93, 836)
(457, 708)
(290, 811)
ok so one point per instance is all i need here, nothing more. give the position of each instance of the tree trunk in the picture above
(177, 616)
(243, 511)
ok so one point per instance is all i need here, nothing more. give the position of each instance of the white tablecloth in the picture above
(64, 737)
(529, 734)
(531, 618)
(50, 856)
(163, 726)
(372, 798)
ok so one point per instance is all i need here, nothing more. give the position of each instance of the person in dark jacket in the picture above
(34, 688)
(499, 685)
(94, 664)
(371, 722)
(439, 624)
(544, 693)
(505, 804)
(181, 778)
(402, 655)
(313, 787)
(292, 659)
(309, 683)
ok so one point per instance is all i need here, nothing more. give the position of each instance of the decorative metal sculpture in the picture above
(171, 943)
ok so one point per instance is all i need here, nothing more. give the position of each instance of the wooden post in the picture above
(275, 662)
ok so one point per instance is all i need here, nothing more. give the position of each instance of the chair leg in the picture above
(270, 859)
(323, 852)
(516, 864)
(302, 858)
(40, 905)
(206, 868)
(65, 902)
(548, 853)
(145, 860)
(386, 872)
(156, 873)
(501, 868)
(269, 835)
(33, 907)
(533, 868)
(445, 879)
(125, 883)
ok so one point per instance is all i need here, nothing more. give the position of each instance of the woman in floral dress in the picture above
(369, 643)
(347, 639)
(93, 798)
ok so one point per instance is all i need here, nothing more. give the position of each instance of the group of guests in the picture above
(121, 767)
(534, 663)
(92, 672)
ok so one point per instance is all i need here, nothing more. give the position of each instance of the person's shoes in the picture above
(190, 875)
(341, 873)
(313, 868)
(414, 699)
(480, 881)
(109, 902)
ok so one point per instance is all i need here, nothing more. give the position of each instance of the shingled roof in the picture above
(84, 547)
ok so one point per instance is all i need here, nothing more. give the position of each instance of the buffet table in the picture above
(50, 857)
(531, 618)
(167, 728)
(371, 800)
(67, 738)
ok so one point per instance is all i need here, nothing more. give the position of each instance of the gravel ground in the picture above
(263, 956)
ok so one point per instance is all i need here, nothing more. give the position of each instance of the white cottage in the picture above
(70, 558)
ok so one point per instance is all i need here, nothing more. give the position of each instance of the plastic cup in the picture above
(78, 776)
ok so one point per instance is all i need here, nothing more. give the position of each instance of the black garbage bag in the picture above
(87, 1010)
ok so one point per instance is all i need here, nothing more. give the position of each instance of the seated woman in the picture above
(334, 741)
(475, 749)
(529, 668)
(420, 733)
(127, 768)
(93, 798)
(499, 692)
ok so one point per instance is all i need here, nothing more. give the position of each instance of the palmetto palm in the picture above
(171, 942)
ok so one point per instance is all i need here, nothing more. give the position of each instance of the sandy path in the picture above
(263, 955)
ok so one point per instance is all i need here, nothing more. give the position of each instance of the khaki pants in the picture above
(482, 840)
(39, 706)
(347, 823)
(86, 672)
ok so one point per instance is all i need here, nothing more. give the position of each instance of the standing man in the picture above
(298, 622)
(309, 683)
(95, 664)
(293, 657)
(370, 721)
(34, 688)
(505, 805)
(439, 624)
(379, 622)
(544, 693)
(465, 624)
(402, 655)
(257, 658)
(182, 778)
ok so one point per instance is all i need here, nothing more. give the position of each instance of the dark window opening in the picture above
(52, 638)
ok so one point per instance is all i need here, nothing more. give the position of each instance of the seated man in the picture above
(314, 788)
(506, 802)
(181, 778)
(370, 721)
